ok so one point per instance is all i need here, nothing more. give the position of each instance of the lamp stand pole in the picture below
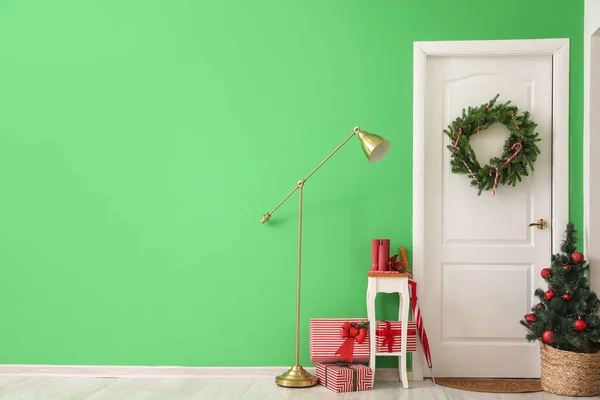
(297, 376)
(375, 148)
(300, 185)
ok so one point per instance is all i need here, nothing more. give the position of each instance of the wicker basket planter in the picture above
(568, 373)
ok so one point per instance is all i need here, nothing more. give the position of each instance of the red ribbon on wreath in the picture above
(472, 174)
(516, 152)
(457, 138)
(352, 333)
(495, 180)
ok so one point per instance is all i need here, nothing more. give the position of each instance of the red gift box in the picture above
(345, 377)
(339, 339)
(388, 337)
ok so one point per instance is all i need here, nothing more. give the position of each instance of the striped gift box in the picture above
(345, 377)
(387, 329)
(326, 338)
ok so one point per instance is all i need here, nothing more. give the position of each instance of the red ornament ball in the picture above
(549, 295)
(577, 257)
(567, 267)
(546, 272)
(580, 325)
(531, 318)
(547, 336)
(539, 306)
(566, 296)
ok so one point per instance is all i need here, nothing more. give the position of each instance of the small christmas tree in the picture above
(565, 318)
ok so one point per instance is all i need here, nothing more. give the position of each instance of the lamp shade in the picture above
(374, 146)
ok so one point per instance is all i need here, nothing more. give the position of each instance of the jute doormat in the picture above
(492, 385)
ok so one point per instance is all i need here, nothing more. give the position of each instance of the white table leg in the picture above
(371, 295)
(403, 317)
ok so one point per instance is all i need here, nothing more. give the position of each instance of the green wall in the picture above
(142, 141)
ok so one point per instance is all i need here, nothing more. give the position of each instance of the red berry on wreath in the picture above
(580, 325)
(577, 257)
(531, 318)
(546, 272)
(567, 267)
(548, 336)
(549, 294)
(566, 296)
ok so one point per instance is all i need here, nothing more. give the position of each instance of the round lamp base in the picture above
(296, 377)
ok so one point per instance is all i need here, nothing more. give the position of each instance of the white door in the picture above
(482, 261)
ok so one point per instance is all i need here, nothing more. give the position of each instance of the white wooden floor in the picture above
(80, 388)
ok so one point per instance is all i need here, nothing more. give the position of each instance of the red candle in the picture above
(386, 243)
(375, 254)
(382, 263)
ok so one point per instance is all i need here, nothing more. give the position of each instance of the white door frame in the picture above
(559, 50)
(591, 87)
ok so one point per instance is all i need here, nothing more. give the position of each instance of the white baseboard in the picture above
(381, 374)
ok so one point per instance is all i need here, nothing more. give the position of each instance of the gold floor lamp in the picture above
(375, 148)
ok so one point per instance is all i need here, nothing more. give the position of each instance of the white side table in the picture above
(391, 283)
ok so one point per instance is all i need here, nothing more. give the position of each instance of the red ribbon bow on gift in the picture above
(388, 335)
(352, 332)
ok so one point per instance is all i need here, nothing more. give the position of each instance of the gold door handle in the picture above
(541, 224)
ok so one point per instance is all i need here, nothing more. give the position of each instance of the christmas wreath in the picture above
(519, 153)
